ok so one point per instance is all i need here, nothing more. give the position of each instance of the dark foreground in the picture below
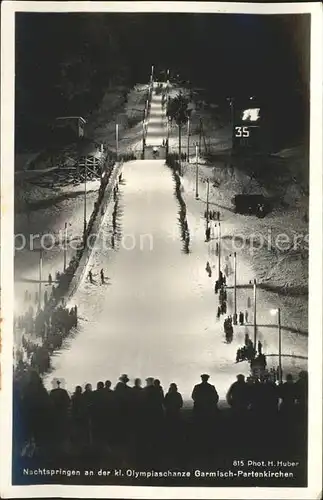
(246, 445)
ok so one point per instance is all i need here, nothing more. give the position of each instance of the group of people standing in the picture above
(220, 287)
(266, 397)
(93, 416)
(212, 215)
(125, 414)
(102, 277)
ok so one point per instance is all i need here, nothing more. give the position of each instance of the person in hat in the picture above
(173, 404)
(205, 399)
(237, 395)
(123, 399)
(60, 402)
(123, 380)
(110, 410)
(137, 402)
(78, 416)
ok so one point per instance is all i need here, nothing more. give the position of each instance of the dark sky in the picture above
(62, 58)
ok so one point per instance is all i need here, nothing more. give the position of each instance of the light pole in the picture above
(200, 136)
(180, 148)
(219, 250)
(235, 283)
(85, 193)
(168, 128)
(197, 173)
(280, 372)
(235, 286)
(207, 201)
(254, 313)
(65, 247)
(117, 141)
(188, 140)
(143, 129)
(40, 277)
(231, 101)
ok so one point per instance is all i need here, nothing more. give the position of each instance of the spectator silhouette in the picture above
(137, 405)
(78, 416)
(301, 390)
(250, 391)
(287, 394)
(173, 403)
(153, 402)
(123, 396)
(137, 397)
(268, 398)
(153, 414)
(37, 409)
(77, 408)
(107, 387)
(99, 416)
(159, 389)
(205, 399)
(237, 396)
(109, 409)
(60, 401)
(88, 411)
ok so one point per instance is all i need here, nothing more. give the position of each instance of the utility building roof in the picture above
(71, 118)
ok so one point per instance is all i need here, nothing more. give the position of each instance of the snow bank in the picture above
(283, 178)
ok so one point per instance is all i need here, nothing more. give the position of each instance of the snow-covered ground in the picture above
(156, 314)
(284, 177)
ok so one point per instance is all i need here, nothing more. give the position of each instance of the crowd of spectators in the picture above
(106, 416)
(42, 333)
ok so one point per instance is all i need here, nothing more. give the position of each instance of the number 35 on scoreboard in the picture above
(241, 132)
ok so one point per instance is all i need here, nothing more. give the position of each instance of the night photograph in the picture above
(161, 237)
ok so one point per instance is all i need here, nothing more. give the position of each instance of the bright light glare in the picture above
(273, 312)
(251, 115)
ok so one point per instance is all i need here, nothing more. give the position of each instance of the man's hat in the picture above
(150, 379)
(204, 376)
(124, 378)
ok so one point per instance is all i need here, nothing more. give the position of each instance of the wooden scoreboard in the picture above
(247, 130)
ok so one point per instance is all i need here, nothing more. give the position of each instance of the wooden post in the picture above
(197, 173)
(188, 140)
(235, 282)
(40, 276)
(180, 148)
(117, 141)
(279, 348)
(207, 201)
(219, 249)
(254, 313)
